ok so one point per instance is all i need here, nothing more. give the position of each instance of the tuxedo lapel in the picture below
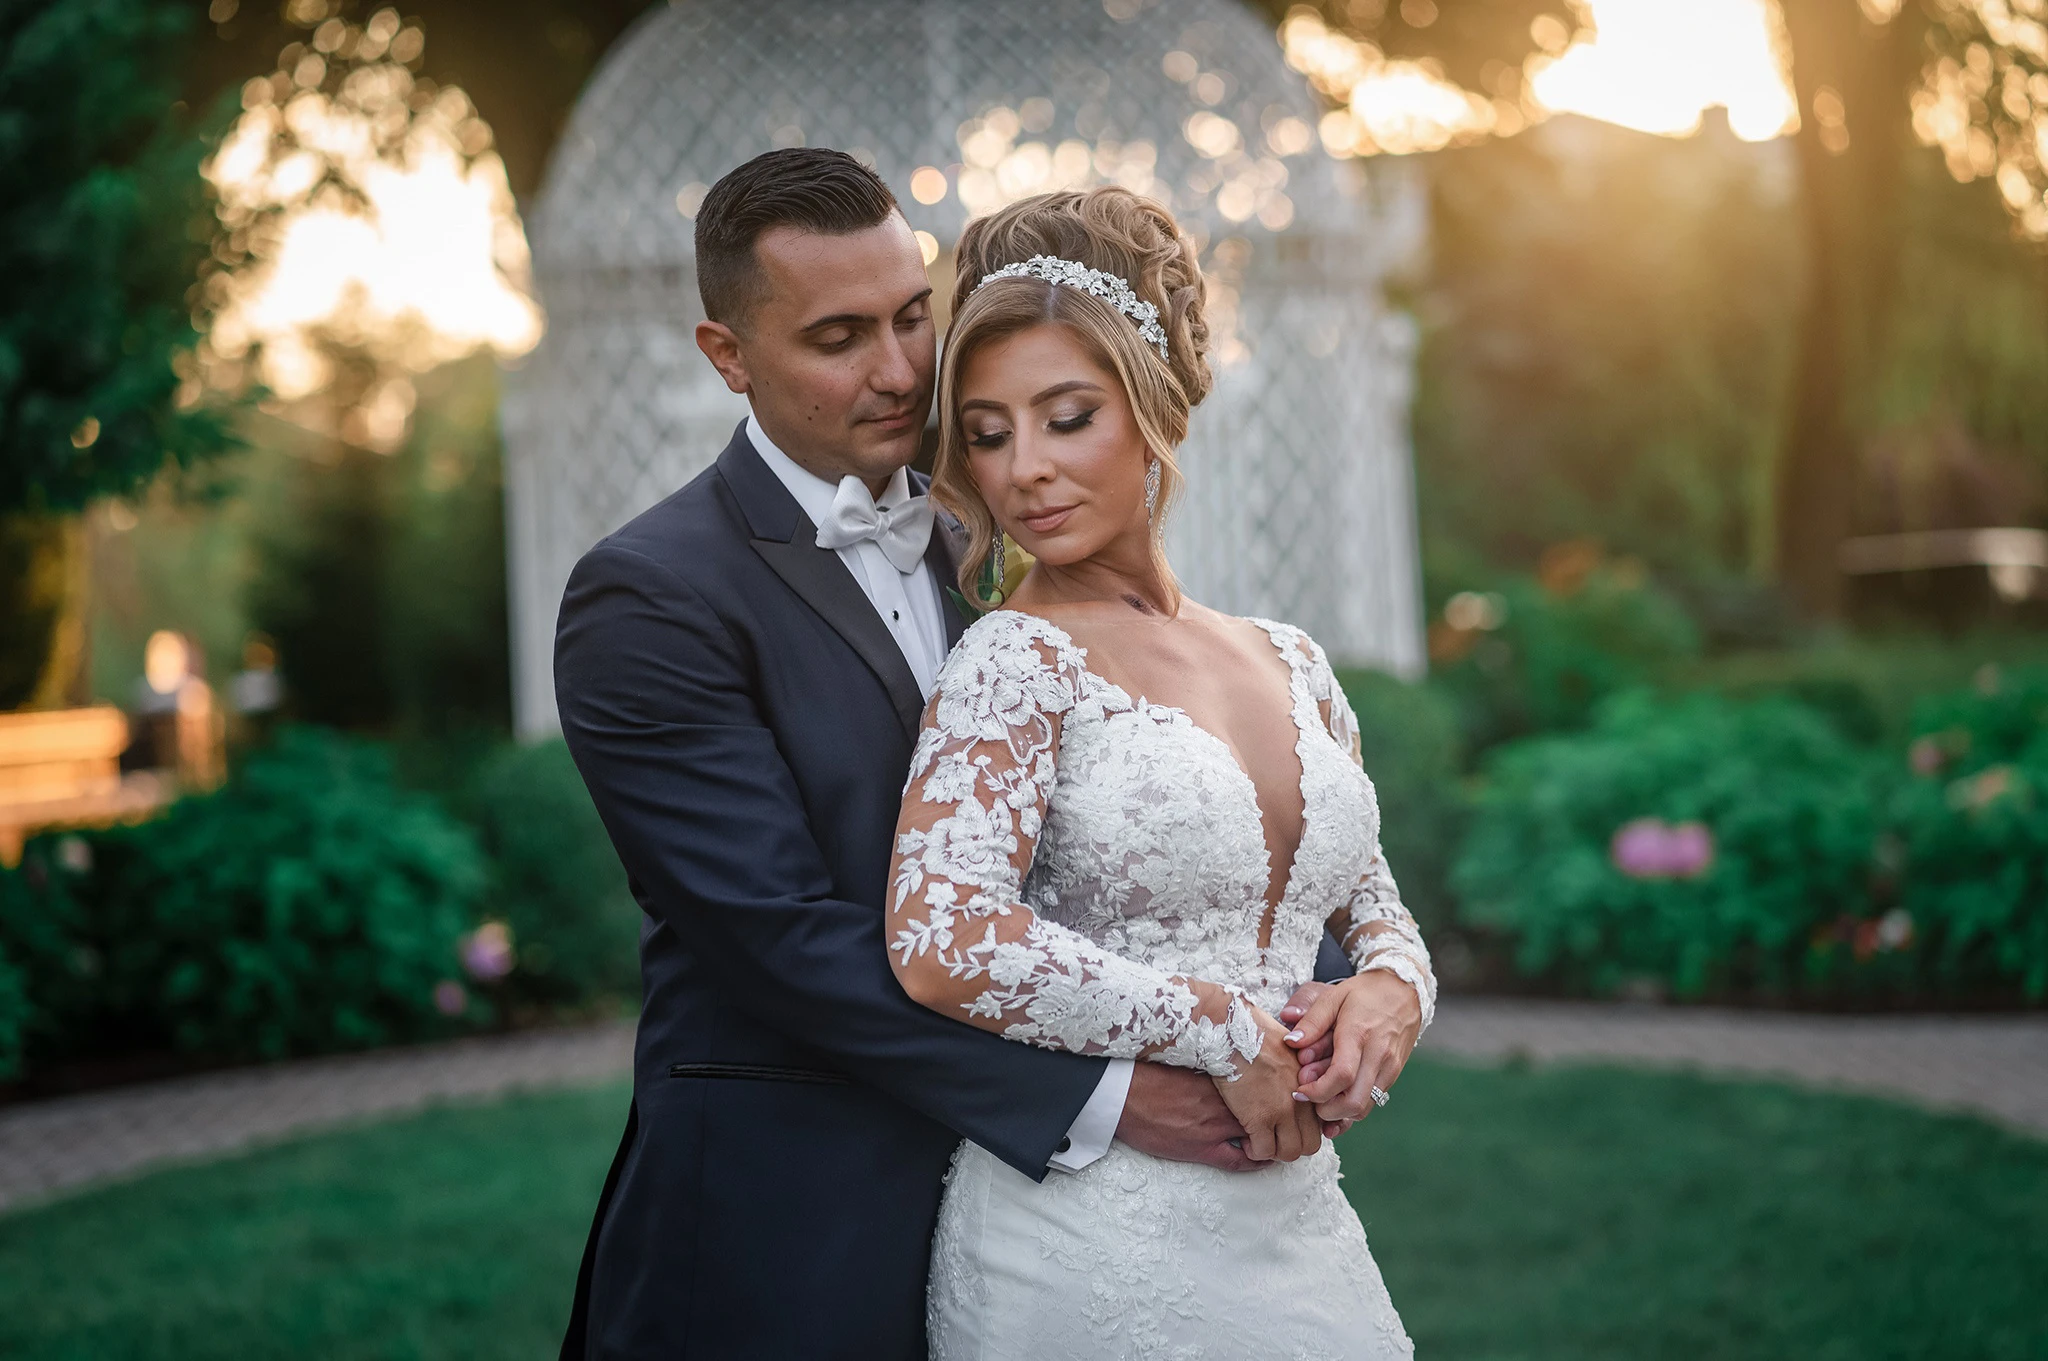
(787, 541)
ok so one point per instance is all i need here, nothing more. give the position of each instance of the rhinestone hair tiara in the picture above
(1108, 287)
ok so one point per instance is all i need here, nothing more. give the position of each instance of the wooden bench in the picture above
(62, 768)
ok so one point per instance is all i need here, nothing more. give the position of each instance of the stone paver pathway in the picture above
(1995, 1066)
(49, 1146)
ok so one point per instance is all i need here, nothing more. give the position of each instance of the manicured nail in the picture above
(1294, 1037)
(1298, 1096)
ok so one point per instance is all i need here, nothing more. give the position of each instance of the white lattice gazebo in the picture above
(1300, 501)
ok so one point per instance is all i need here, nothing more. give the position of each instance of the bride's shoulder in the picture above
(1293, 643)
(1012, 642)
(1002, 630)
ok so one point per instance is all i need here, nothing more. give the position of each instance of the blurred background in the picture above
(1647, 400)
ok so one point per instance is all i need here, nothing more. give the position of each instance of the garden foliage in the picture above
(1560, 649)
(1791, 823)
(554, 878)
(310, 905)
(103, 224)
(1408, 736)
(1973, 822)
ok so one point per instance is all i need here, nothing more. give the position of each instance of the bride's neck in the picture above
(1125, 571)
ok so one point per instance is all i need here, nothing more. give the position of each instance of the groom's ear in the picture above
(722, 348)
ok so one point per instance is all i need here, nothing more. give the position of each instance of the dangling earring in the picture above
(992, 575)
(1152, 490)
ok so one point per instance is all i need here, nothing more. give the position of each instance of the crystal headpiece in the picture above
(1108, 287)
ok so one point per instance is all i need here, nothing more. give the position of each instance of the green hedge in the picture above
(554, 879)
(1788, 809)
(1554, 657)
(1972, 822)
(309, 905)
(1835, 870)
(1408, 735)
(318, 903)
(14, 1018)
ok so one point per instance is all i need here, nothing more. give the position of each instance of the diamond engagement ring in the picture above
(1379, 1097)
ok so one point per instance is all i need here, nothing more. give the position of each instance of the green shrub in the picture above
(1555, 656)
(46, 934)
(1788, 806)
(14, 1018)
(309, 905)
(554, 878)
(1973, 820)
(1409, 737)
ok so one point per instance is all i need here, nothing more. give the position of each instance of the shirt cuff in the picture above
(1092, 1130)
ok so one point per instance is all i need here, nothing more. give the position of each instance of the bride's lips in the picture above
(1046, 521)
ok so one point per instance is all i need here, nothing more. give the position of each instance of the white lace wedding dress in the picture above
(1072, 857)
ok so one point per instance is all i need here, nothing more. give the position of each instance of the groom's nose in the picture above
(894, 374)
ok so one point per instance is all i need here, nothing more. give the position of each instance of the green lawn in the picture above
(1577, 1213)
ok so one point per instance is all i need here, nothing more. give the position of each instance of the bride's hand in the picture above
(1278, 1127)
(1370, 1023)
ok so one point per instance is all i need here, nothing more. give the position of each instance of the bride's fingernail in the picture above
(1297, 1096)
(1294, 1036)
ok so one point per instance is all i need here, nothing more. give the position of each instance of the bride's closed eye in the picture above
(988, 439)
(1067, 425)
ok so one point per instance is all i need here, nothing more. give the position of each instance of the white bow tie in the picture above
(902, 531)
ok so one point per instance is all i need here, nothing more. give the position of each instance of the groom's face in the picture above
(837, 354)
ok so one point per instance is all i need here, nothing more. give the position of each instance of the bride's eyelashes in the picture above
(1069, 424)
(1064, 425)
(989, 439)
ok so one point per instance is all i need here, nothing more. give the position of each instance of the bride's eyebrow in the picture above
(1062, 389)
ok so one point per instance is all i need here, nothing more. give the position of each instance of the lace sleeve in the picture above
(963, 941)
(1375, 929)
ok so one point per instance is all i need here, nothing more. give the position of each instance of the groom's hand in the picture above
(1175, 1113)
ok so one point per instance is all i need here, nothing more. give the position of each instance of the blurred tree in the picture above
(1604, 361)
(103, 222)
(1870, 77)
(522, 61)
(381, 579)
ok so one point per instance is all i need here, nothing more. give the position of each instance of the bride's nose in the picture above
(1032, 462)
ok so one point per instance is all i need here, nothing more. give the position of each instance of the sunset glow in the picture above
(1652, 65)
(376, 219)
(1658, 65)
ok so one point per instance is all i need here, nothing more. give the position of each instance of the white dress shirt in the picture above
(910, 605)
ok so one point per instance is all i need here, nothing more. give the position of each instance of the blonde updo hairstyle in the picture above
(1108, 229)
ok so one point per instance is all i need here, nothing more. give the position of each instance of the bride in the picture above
(1128, 823)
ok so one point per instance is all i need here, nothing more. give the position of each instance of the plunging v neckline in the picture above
(1270, 906)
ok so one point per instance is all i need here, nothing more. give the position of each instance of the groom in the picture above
(740, 673)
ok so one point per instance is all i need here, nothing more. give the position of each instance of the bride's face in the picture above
(1053, 446)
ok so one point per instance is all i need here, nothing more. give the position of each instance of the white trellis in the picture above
(1300, 502)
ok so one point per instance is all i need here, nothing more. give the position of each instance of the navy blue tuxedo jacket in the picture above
(744, 722)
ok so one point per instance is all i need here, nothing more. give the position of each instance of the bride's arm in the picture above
(963, 941)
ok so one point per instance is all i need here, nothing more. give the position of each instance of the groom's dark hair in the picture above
(814, 188)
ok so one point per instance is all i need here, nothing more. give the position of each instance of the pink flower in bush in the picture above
(487, 952)
(1926, 756)
(1650, 848)
(450, 997)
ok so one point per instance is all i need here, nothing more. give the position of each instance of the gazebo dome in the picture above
(1300, 502)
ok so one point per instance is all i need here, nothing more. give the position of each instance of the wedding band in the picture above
(1379, 1098)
